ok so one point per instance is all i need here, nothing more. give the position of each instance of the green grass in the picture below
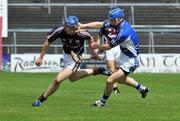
(72, 100)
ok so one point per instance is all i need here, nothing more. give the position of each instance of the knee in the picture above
(73, 78)
(56, 82)
(109, 81)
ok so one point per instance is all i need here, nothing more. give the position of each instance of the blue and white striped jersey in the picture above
(126, 38)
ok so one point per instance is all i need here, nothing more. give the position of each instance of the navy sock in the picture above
(104, 98)
(140, 87)
(42, 98)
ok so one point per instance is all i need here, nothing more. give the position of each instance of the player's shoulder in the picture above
(54, 32)
(56, 29)
(59, 28)
(127, 30)
(126, 25)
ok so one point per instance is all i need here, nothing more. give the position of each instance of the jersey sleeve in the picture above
(106, 24)
(54, 34)
(101, 32)
(119, 39)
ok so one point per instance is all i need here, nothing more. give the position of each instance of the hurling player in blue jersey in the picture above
(112, 55)
(72, 40)
(127, 40)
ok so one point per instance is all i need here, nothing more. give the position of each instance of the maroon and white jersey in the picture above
(73, 43)
(108, 33)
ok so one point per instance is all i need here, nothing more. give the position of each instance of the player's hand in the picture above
(100, 50)
(38, 62)
(96, 57)
(95, 45)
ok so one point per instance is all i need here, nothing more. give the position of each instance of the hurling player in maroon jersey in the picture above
(72, 40)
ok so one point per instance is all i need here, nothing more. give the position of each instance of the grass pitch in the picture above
(72, 100)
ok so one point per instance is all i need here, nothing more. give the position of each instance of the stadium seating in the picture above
(39, 18)
(34, 17)
(92, 1)
(58, 1)
(157, 16)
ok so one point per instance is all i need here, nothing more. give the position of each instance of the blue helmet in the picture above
(71, 21)
(116, 13)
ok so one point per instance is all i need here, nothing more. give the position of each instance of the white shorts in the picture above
(128, 64)
(69, 62)
(113, 54)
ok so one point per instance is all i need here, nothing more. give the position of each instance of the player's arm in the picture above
(43, 52)
(91, 42)
(94, 51)
(119, 39)
(96, 25)
(98, 38)
(101, 47)
(107, 46)
(98, 46)
(51, 36)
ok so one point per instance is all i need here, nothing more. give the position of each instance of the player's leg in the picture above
(128, 65)
(64, 74)
(112, 65)
(133, 83)
(71, 66)
(112, 57)
(115, 77)
(82, 73)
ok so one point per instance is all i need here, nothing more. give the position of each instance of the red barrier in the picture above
(0, 42)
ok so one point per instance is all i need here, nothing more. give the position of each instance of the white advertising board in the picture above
(159, 63)
(152, 63)
(26, 63)
(4, 14)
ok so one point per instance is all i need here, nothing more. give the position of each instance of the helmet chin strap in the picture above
(116, 19)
